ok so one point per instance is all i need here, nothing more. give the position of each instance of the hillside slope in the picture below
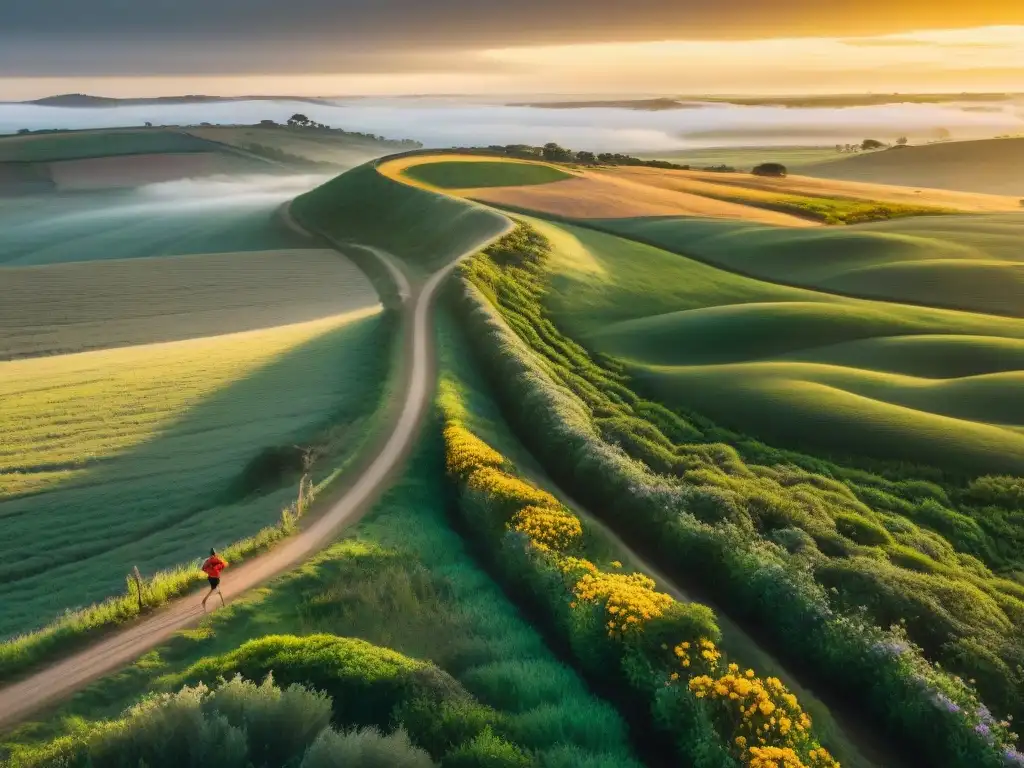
(992, 166)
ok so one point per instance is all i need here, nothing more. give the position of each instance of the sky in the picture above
(352, 47)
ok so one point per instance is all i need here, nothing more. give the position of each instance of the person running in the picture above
(212, 567)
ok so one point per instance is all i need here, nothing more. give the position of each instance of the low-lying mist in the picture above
(443, 123)
(205, 215)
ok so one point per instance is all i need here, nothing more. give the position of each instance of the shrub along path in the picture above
(63, 678)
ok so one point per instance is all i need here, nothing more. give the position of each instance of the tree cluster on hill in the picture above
(555, 153)
(299, 120)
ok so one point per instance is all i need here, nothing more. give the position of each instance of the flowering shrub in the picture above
(759, 723)
(466, 452)
(493, 482)
(629, 599)
(548, 528)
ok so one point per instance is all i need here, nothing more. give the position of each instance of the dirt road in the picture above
(59, 680)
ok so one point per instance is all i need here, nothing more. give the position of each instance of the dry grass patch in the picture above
(608, 195)
(748, 185)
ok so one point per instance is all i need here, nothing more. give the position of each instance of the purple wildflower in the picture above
(946, 703)
(1013, 757)
(983, 730)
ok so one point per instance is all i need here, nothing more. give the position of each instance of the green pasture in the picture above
(402, 578)
(77, 306)
(145, 455)
(970, 262)
(425, 229)
(78, 145)
(470, 175)
(128, 225)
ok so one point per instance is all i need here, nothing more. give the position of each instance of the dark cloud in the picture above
(221, 36)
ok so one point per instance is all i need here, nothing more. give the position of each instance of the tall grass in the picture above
(756, 528)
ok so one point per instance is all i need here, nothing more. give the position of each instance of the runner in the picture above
(212, 567)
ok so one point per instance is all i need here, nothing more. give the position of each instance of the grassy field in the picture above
(145, 455)
(972, 263)
(745, 158)
(402, 578)
(991, 166)
(728, 345)
(499, 173)
(77, 306)
(75, 145)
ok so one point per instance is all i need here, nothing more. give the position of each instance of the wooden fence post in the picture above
(138, 584)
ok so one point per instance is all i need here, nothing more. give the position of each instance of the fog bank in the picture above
(443, 123)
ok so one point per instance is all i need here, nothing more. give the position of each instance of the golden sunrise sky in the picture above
(973, 59)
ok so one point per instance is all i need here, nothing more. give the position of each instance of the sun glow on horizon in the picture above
(977, 59)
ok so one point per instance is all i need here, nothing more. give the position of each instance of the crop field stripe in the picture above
(76, 306)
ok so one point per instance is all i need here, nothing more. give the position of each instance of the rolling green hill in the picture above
(425, 229)
(963, 262)
(78, 145)
(989, 165)
(796, 366)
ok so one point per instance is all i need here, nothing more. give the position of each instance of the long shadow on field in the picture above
(171, 498)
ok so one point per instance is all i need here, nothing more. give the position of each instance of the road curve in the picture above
(59, 680)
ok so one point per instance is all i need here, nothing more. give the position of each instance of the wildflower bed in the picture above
(660, 651)
(703, 507)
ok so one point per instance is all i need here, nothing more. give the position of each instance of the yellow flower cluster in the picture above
(552, 529)
(494, 482)
(762, 720)
(770, 730)
(705, 655)
(629, 599)
(465, 452)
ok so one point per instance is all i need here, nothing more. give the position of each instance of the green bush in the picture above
(369, 686)
(237, 724)
(366, 748)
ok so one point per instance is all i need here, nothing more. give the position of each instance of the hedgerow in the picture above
(618, 625)
(817, 559)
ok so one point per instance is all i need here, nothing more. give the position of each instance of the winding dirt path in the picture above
(64, 677)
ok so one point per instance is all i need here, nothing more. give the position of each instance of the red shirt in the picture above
(213, 566)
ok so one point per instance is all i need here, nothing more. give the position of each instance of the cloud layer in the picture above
(97, 37)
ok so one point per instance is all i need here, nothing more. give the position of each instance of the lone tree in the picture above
(298, 119)
(771, 169)
(868, 144)
(557, 154)
(902, 141)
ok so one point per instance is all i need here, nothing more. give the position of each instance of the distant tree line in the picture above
(555, 153)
